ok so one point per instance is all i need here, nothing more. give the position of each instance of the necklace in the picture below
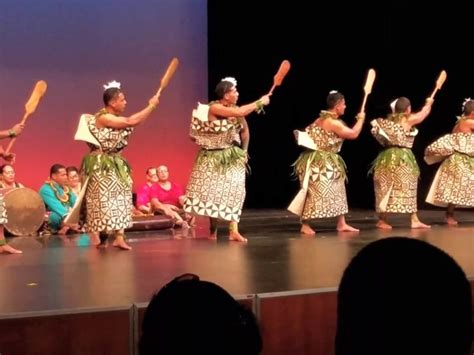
(328, 114)
(64, 198)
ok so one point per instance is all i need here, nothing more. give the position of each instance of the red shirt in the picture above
(169, 197)
(145, 194)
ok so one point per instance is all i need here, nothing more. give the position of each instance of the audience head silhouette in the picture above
(403, 296)
(190, 316)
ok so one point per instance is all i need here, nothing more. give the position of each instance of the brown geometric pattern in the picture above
(108, 203)
(451, 143)
(111, 140)
(3, 212)
(214, 192)
(456, 182)
(324, 140)
(400, 184)
(326, 191)
(108, 198)
(389, 133)
(218, 134)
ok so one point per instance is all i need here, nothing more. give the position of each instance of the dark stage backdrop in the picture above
(77, 46)
(331, 47)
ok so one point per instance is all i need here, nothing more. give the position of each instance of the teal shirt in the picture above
(51, 201)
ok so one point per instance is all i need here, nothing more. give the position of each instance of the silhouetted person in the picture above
(190, 316)
(403, 296)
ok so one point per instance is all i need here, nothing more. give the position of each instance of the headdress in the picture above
(112, 84)
(230, 80)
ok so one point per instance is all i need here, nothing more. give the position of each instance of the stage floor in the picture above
(64, 274)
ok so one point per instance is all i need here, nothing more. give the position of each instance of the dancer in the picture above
(323, 169)
(109, 185)
(216, 188)
(395, 169)
(453, 185)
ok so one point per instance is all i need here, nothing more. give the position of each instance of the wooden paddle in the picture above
(30, 106)
(369, 82)
(280, 75)
(168, 75)
(439, 83)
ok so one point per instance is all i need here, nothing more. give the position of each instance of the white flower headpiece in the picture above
(466, 100)
(112, 84)
(392, 105)
(333, 92)
(230, 80)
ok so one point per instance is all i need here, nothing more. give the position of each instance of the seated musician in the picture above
(171, 194)
(7, 177)
(59, 200)
(149, 202)
(144, 192)
(10, 158)
(74, 180)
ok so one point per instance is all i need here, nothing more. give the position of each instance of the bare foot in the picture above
(212, 236)
(103, 241)
(237, 237)
(178, 236)
(383, 225)
(94, 238)
(306, 229)
(119, 242)
(103, 244)
(63, 230)
(451, 221)
(346, 228)
(9, 250)
(419, 225)
(182, 224)
(77, 229)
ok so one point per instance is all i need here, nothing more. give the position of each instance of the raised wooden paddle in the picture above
(30, 106)
(168, 75)
(439, 83)
(280, 75)
(369, 82)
